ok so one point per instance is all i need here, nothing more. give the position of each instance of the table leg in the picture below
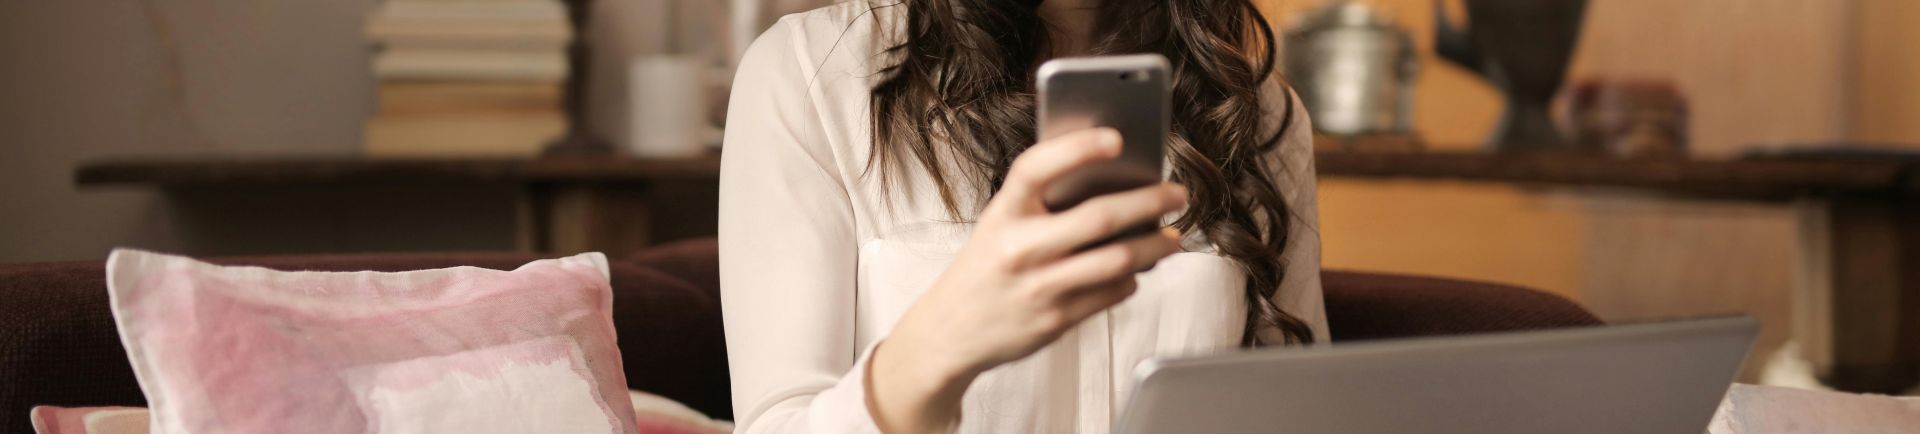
(611, 219)
(1857, 305)
(533, 219)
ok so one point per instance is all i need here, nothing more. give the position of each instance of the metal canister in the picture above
(1354, 69)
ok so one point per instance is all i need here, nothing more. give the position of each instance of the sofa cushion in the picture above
(695, 261)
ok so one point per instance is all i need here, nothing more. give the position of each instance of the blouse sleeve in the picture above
(1299, 292)
(787, 255)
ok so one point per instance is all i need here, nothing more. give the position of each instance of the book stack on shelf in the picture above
(467, 77)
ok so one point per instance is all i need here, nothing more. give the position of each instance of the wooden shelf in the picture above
(345, 169)
(1759, 179)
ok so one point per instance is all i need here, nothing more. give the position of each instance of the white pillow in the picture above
(88, 420)
(1750, 409)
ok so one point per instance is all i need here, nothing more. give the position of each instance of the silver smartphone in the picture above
(1127, 93)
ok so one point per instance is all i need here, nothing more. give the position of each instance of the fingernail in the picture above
(1109, 139)
(1179, 193)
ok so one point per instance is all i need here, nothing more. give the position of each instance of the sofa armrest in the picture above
(1363, 306)
(58, 344)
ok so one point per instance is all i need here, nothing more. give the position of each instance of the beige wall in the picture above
(1886, 77)
(1477, 231)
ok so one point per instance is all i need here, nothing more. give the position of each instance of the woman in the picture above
(886, 265)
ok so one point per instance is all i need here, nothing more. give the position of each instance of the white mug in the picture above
(667, 101)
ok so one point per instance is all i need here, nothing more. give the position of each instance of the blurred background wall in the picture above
(1758, 73)
(85, 79)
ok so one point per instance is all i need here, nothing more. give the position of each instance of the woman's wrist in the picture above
(913, 389)
(929, 364)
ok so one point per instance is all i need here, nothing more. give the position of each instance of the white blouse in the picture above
(816, 263)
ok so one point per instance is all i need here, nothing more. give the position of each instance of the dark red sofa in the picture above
(58, 345)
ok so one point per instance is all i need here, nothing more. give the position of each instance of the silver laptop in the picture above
(1646, 379)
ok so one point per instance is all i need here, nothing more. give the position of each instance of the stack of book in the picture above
(467, 77)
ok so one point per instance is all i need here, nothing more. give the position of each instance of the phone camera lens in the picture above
(1126, 76)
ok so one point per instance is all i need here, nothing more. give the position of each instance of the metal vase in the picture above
(1522, 47)
(1353, 68)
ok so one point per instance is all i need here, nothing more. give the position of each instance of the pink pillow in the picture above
(470, 350)
(89, 420)
(653, 414)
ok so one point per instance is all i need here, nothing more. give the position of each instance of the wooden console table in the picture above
(557, 204)
(1858, 311)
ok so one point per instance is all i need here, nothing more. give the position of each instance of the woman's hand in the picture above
(1020, 282)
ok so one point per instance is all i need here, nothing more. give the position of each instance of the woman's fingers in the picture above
(1047, 161)
(1078, 306)
(1101, 217)
(1103, 264)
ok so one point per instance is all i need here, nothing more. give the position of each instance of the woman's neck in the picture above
(1069, 25)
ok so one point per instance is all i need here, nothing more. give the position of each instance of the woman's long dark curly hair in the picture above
(961, 91)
